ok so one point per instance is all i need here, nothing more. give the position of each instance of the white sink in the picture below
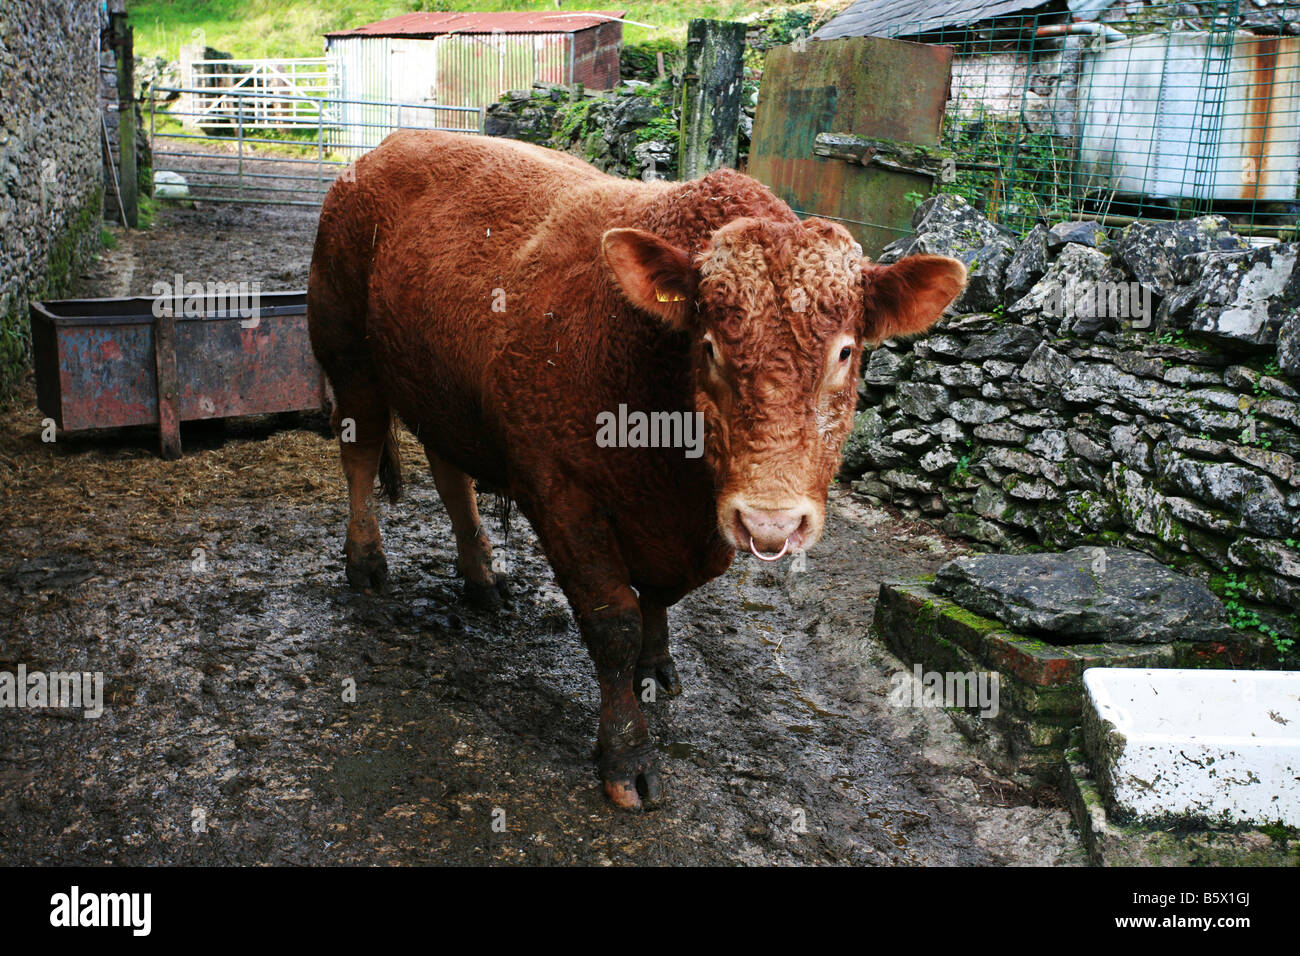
(1217, 747)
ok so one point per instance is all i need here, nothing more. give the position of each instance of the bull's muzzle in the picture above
(771, 533)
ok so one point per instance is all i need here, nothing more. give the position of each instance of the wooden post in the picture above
(164, 354)
(128, 180)
(713, 84)
(186, 104)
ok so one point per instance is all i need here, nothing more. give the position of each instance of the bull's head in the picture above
(777, 313)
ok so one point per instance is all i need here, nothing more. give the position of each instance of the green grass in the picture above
(270, 28)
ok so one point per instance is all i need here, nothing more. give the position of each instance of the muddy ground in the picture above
(210, 593)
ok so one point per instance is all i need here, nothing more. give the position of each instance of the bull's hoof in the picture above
(643, 793)
(368, 572)
(632, 780)
(490, 595)
(663, 673)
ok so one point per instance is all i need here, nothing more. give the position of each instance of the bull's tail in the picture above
(390, 468)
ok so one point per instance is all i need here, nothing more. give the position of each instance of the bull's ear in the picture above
(655, 275)
(908, 296)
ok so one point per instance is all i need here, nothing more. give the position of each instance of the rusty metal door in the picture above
(846, 129)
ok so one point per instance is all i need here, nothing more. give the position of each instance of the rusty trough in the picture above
(112, 363)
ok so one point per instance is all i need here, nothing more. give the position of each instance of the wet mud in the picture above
(258, 711)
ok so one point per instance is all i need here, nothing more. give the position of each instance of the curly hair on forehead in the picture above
(761, 278)
(701, 207)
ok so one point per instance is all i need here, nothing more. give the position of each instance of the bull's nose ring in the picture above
(775, 557)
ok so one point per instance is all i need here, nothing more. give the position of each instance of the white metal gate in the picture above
(273, 147)
(216, 80)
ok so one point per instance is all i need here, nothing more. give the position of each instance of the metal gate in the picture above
(296, 76)
(848, 130)
(218, 150)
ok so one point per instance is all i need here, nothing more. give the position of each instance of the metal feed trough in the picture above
(111, 363)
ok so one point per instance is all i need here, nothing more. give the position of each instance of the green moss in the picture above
(1280, 833)
(662, 129)
(60, 260)
(1030, 643)
(970, 619)
(13, 341)
(146, 208)
(63, 258)
(572, 123)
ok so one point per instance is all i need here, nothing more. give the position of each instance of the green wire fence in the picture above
(1176, 110)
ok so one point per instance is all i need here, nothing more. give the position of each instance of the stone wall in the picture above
(50, 159)
(630, 131)
(1042, 415)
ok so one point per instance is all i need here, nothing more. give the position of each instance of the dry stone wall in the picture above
(1137, 390)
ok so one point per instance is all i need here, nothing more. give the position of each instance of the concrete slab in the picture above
(1173, 746)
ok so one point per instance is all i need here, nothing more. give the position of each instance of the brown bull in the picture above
(508, 302)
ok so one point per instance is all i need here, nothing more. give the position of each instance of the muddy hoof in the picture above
(664, 674)
(369, 572)
(645, 792)
(490, 595)
(632, 780)
(483, 595)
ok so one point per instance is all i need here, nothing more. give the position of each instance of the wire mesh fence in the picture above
(1158, 111)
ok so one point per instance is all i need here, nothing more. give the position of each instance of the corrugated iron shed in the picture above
(464, 60)
(891, 18)
(440, 24)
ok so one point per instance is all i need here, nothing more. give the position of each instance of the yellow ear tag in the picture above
(664, 297)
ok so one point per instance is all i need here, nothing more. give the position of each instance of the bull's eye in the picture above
(845, 353)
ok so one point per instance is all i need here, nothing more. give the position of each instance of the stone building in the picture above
(51, 148)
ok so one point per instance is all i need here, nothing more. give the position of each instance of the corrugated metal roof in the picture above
(889, 18)
(440, 24)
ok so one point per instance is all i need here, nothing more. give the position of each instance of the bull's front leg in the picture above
(655, 662)
(625, 754)
(583, 553)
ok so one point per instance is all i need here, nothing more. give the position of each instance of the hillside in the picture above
(256, 28)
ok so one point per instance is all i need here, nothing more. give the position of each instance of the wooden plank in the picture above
(866, 151)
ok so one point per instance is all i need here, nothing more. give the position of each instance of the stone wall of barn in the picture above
(1044, 414)
(50, 159)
